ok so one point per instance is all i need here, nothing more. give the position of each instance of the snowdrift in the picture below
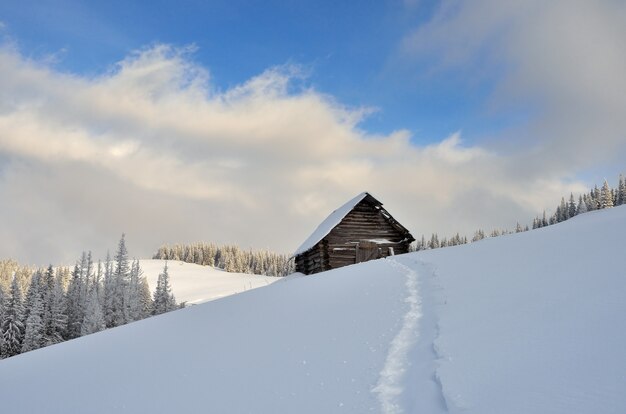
(525, 323)
(195, 284)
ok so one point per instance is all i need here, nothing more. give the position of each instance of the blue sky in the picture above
(349, 51)
(249, 122)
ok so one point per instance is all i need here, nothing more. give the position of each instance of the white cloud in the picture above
(564, 60)
(154, 149)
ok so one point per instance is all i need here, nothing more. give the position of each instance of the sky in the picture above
(249, 122)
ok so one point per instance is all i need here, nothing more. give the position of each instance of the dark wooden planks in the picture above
(368, 224)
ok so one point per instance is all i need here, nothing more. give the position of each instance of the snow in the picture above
(295, 346)
(329, 223)
(380, 241)
(534, 322)
(390, 386)
(524, 323)
(195, 284)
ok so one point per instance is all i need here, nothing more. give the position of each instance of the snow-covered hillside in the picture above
(195, 284)
(526, 323)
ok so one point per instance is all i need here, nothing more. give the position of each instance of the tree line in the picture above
(595, 199)
(230, 258)
(42, 307)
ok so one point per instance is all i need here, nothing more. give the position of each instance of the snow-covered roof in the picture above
(330, 223)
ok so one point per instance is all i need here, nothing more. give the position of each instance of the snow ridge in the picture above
(390, 382)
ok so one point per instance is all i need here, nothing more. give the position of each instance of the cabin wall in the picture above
(314, 260)
(364, 222)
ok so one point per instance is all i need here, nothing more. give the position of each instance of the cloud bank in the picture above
(562, 62)
(155, 149)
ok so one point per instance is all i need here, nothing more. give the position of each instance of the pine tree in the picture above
(135, 306)
(606, 199)
(563, 211)
(3, 300)
(145, 298)
(582, 205)
(54, 319)
(164, 300)
(94, 317)
(621, 191)
(34, 291)
(74, 304)
(86, 277)
(434, 241)
(34, 336)
(479, 235)
(109, 292)
(571, 206)
(12, 327)
(121, 279)
(594, 199)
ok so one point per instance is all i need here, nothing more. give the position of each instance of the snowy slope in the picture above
(526, 323)
(534, 322)
(195, 284)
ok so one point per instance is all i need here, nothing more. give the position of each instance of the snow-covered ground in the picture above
(526, 323)
(195, 284)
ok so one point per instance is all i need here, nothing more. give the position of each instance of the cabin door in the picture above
(367, 250)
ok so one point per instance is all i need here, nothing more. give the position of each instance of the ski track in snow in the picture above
(389, 387)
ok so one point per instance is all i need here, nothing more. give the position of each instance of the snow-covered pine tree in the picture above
(594, 199)
(621, 191)
(606, 198)
(121, 277)
(145, 298)
(94, 317)
(433, 243)
(109, 292)
(135, 307)
(564, 210)
(478, 235)
(164, 300)
(54, 319)
(29, 297)
(571, 206)
(34, 336)
(555, 217)
(582, 205)
(47, 285)
(12, 327)
(2, 300)
(74, 305)
(97, 283)
(86, 277)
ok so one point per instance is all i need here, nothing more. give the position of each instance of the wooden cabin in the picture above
(358, 231)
